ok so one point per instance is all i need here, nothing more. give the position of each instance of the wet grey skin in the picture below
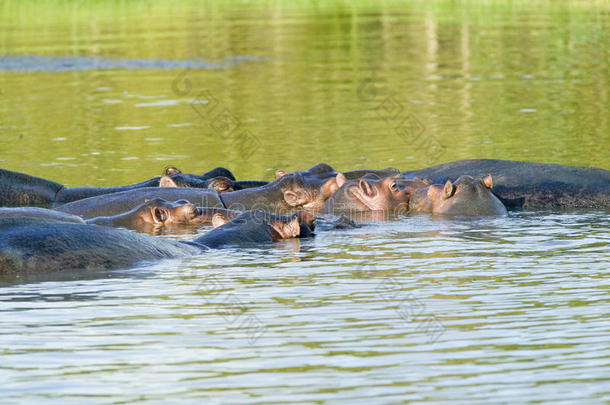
(34, 245)
(528, 185)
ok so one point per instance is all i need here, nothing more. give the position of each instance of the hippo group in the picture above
(45, 226)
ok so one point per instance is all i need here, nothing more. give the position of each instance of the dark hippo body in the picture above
(255, 227)
(34, 245)
(109, 205)
(530, 185)
(19, 189)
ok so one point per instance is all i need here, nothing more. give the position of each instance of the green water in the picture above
(500, 310)
(516, 80)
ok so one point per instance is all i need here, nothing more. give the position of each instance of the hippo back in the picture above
(19, 189)
(30, 245)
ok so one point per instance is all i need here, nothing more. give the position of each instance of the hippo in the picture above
(34, 245)
(358, 174)
(234, 233)
(372, 193)
(175, 178)
(528, 185)
(465, 196)
(109, 205)
(19, 189)
(154, 214)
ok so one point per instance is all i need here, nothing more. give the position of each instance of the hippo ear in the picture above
(279, 173)
(221, 184)
(341, 179)
(167, 181)
(169, 170)
(160, 215)
(294, 198)
(218, 220)
(488, 181)
(448, 190)
(367, 188)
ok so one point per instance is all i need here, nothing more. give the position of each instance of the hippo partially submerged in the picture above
(222, 183)
(371, 193)
(530, 185)
(37, 245)
(465, 196)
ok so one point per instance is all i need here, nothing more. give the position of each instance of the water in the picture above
(505, 310)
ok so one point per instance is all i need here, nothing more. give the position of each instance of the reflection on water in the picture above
(34, 63)
(509, 309)
(441, 310)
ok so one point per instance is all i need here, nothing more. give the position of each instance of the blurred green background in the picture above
(315, 81)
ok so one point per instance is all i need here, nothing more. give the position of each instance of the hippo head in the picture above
(219, 179)
(159, 212)
(220, 184)
(465, 196)
(309, 189)
(372, 193)
(257, 226)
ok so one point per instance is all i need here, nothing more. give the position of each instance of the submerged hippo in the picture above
(371, 193)
(33, 245)
(465, 196)
(109, 205)
(152, 214)
(530, 185)
(19, 189)
(157, 213)
(175, 178)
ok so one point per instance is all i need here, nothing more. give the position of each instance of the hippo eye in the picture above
(394, 187)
